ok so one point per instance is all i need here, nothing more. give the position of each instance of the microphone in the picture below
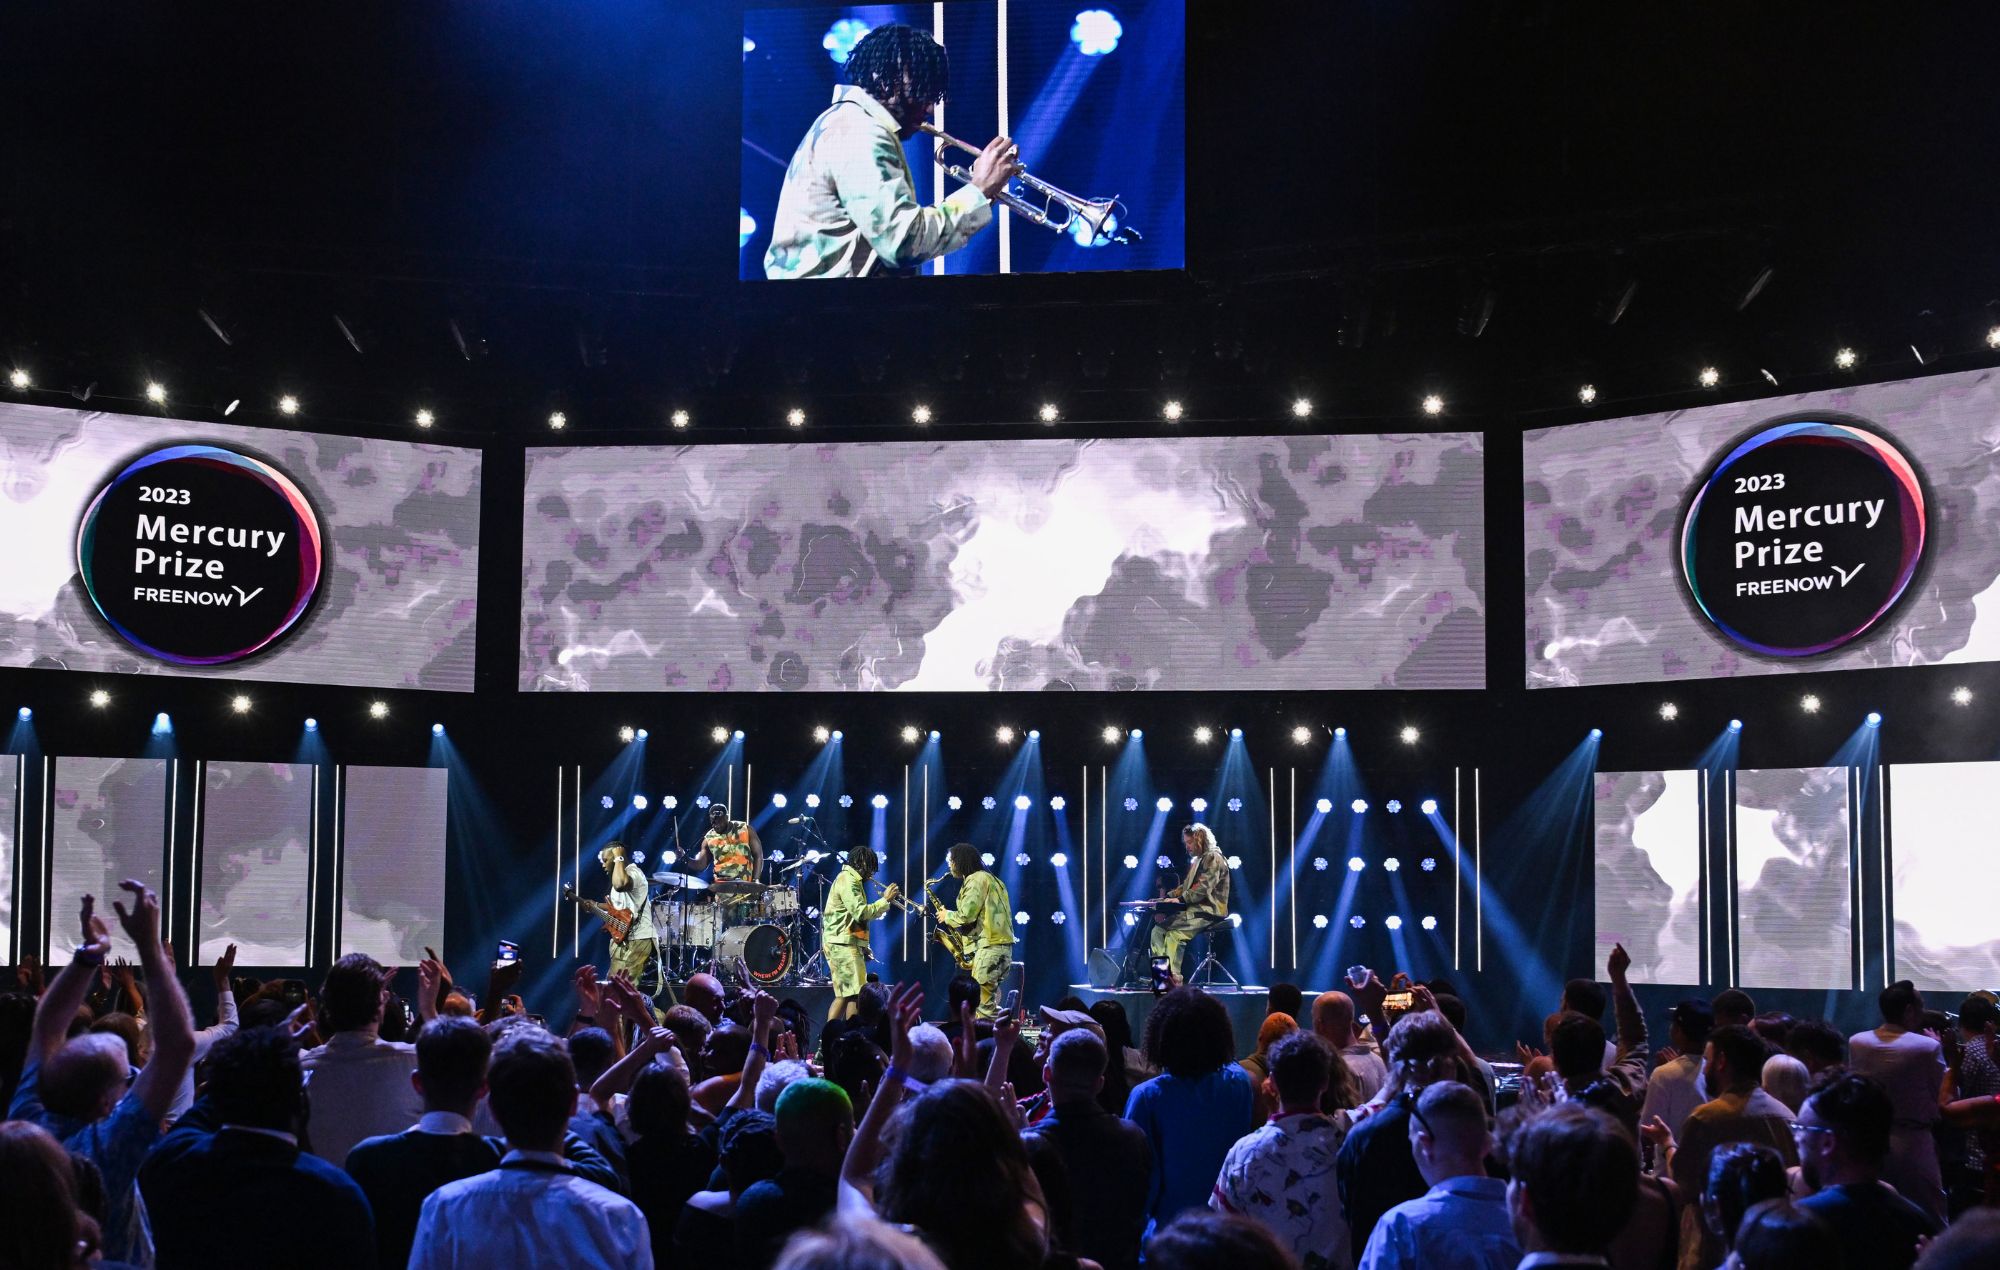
(798, 820)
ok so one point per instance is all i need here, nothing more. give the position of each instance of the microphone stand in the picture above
(813, 970)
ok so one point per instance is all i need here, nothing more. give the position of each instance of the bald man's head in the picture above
(1333, 1018)
(704, 993)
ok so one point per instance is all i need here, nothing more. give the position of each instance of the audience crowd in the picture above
(344, 1127)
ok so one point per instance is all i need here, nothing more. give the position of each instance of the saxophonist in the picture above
(985, 916)
(844, 928)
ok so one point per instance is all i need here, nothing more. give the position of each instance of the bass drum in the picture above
(763, 949)
(685, 924)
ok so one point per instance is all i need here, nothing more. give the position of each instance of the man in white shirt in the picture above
(532, 1210)
(1909, 1064)
(1676, 1087)
(1462, 1222)
(629, 895)
(205, 1039)
(1282, 1174)
(1575, 1183)
(357, 1084)
(1333, 1020)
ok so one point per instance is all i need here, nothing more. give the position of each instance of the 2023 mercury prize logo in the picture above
(1804, 536)
(199, 555)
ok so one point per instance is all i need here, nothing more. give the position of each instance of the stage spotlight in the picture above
(1340, 733)
(1846, 358)
(777, 857)
(607, 802)
(1095, 32)
(628, 733)
(1357, 921)
(1669, 711)
(934, 734)
(1409, 735)
(1393, 806)
(954, 802)
(1587, 394)
(1736, 725)
(1236, 920)
(1020, 919)
(1393, 922)
(669, 802)
(779, 801)
(25, 713)
(718, 734)
(1004, 734)
(1111, 734)
(99, 698)
(1358, 806)
(911, 736)
(795, 417)
(288, 405)
(812, 802)
(1236, 804)
(312, 725)
(1048, 413)
(638, 802)
(1034, 735)
(21, 381)
(1197, 805)
(701, 801)
(240, 703)
(1164, 803)
(879, 801)
(1138, 734)
(1301, 734)
(1319, 921)
(1809, 703)
(841, 37)
(437, 729)
(1392, 865)
(822, 734)
(1429, 806)
(1321, 864)
(156, 393)
(1131, 804)
(1131, 862)
(1058, 917)
(378, 709)
(1710, 377)
(1324, 806)
(1302, 408)
(1163, 862)
(1022, 802)
(737, 735)
(845, 800)
(1433, 404)
(1355, 864)
(1992, 341)
(1171, 412)
(1874, 720)
(1203, 735)
(1130, 920)
(425, 418)
(1058, 802)
(1059, 860)
(680, 418)
(1430, 923)
(989, 802)
(1960, 696)
(1235, 862)
(643, 734)
(1597, 734)
(921, 415)
(1428, 864)
(161, 723)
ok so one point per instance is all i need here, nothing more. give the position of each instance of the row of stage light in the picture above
(240, 703)
(1173, 410)
(1005, 734)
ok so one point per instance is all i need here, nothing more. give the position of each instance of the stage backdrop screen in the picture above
(1941, 818)
(10, 842)
(110, 823)
(392, 862)
(1196, 563)
(1794, 915)
(1648, 873)
(256, 861)
(159, 546)
(1823, 531)
(1093, 97)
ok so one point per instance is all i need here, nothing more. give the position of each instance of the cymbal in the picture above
(730, 888)
(680, 881)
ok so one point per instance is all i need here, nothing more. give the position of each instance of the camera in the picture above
(506, 954)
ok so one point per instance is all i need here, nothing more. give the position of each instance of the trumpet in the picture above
(901, 903)
(1060, 210)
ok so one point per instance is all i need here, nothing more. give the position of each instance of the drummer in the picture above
(737, 854)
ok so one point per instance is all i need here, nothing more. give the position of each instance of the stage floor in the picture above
(1246, 1008)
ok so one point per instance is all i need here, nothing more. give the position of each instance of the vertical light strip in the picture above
(1103, 854)
(1294, 854)
(194, 859)
(1729, 879)
(1083, 918)
(1707, 888)
(1457, 865)
(173, 815)
(1006, 129)
(339, 850)
(576, 866)
(926, 901)
(312, 873)
(906, 856)
(746, 795)
(937, 184)
(555, 891)
(48, 851)
(1478, 882)
(1882, 853)
(20, 847)
(1271, 780)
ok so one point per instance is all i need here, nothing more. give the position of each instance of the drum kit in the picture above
(713, 927)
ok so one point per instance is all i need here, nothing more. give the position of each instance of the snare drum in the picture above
(686, 923)
(781, 906)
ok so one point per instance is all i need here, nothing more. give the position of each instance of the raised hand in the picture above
(785, 1046)
(1007, 1029)
(1655, 1131)
(763, 1013)
(96, 942)
(1011, 1105)
(430, 977)
(906, 1010)
(121, 973)
(223, 966)
(142, 924)
(589, 992)
(1618, 963)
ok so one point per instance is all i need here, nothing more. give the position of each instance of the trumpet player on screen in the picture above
(849, 205)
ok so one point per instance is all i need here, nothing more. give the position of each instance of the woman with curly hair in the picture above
(1198, 1107)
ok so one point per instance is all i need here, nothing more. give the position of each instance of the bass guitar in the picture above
(617, 922)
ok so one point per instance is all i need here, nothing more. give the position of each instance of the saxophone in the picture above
(953, 942)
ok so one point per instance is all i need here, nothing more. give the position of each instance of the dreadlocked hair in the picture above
(888, 55)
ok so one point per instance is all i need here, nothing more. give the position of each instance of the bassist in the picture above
(629, 896)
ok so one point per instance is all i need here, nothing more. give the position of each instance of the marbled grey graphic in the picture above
(1942, 843)
(1603, 504)
(256, 845)
(110, 823)
(10, 805)
(1648, 873)
(1187, 563)
(392, 862)
(1794, 919)
(400, 526)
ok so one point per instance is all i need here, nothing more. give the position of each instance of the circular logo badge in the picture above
(199, 555)
(1803, 537)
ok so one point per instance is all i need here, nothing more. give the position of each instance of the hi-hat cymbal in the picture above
(731, 887)
(680, 881)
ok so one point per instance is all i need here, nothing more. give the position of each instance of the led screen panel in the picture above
(1648, 873)
(1794, 911)
(1837, 530)
(10, 844)
(110, 823)
(256, 861)
(160, 546)
(1941, 842)
(1197, 563)
(392, 862)
(837, 185)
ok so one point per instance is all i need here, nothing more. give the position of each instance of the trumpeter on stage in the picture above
(844, 928)
(1204, 894)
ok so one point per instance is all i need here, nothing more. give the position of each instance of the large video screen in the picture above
(1192, 563)
(10, 843)
(109, 818)
(393, 824)
(1836, 530)
(838, 180)
(1941, 818)
(1648, 872)
(256, 862)
(1794, 914)
(159, 546)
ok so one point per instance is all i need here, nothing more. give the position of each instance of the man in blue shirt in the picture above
(1194, 1113)
(1461, 1223)
(1843, 1136)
